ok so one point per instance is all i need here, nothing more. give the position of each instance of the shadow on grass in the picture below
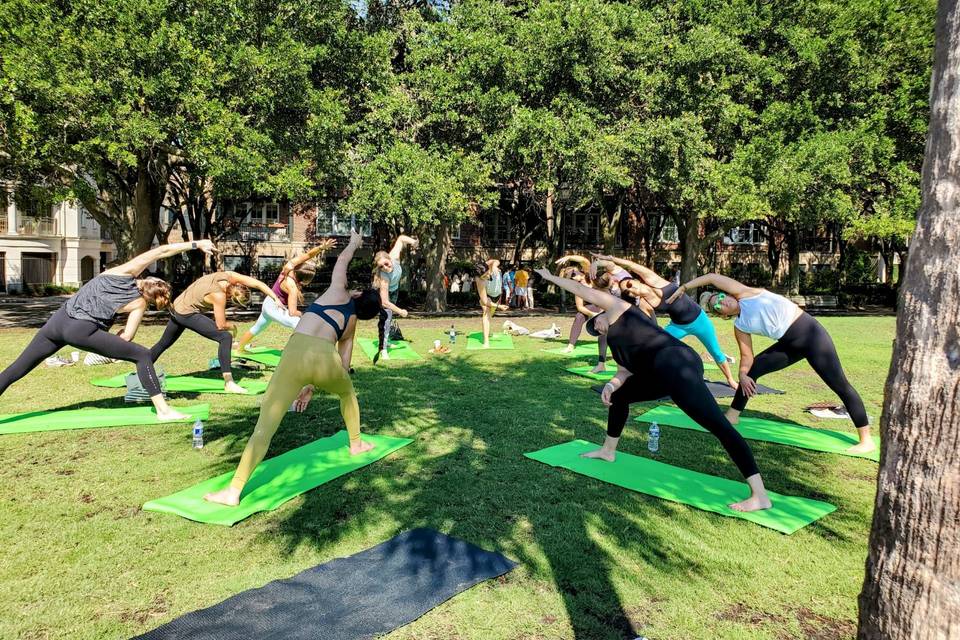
(472, 421)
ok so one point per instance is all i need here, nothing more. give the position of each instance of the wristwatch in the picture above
(193, 245)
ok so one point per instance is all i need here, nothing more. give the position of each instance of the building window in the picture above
(330, 222)
(456, 232)
(496, 227)
(748, 234)
(271, 213)
(268, 267)
(240, 264)
(583, 228)
(669, 234)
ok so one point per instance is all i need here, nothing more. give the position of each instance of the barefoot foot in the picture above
(600, 454)
(753, 503)
(360, 447)
(384, 355)
(863, 447)
(233, 387)
(733, 418)
(600, 368)
(569, 349)
(228, 496)
(171, 415)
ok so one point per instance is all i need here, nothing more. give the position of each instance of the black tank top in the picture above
(635, 339)
(683, 311)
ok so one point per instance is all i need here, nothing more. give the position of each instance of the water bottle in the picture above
(653, 438)
(198, 434)
(453, 335)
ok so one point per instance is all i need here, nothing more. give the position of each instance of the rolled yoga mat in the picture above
(400, 350)
(265, 356)
(186, 384)
(93, 418)
(763, 430)
(700, 490)
(497, 341)
(364, 595)
(277, 480)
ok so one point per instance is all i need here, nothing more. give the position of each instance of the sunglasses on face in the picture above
(718, 299)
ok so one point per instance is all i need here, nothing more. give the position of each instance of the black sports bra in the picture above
(346, 309)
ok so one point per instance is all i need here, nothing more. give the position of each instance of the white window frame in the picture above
(500, 227)
(587, 223)
(750, 234)
(334, 224)
(669, 232)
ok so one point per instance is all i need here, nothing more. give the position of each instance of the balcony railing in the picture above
(31, 226)
(263, 233)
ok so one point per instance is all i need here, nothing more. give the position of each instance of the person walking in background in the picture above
(520, 280)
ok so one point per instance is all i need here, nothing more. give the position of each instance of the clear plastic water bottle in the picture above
(653, 438)
(453, 335)
(198, 434)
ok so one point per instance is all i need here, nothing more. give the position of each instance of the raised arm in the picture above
(402, 241)
(723, 283)
(324, 245)
(251, 283)
(602, 299)
(646, 273)
(137, 265)
(579, 260)
(339, 277)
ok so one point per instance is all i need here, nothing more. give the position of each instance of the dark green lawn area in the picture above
(82, 560)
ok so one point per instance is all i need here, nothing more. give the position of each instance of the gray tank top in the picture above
(99, 299)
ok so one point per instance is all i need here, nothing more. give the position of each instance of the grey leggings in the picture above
(578, 321)
(62, 330)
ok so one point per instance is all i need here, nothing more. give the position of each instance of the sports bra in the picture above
(346, 309)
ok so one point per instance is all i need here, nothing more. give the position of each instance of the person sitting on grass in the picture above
(489, 283)
(212, 292)
(84, 321)
(653, 364)
(798, 337)
(317, 356)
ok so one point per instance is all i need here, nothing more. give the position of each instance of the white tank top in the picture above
(766, 314)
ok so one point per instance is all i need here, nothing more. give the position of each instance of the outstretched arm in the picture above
(646, 273)
(402, 241)
(579, 260)
(339, 277)
(324, 245)
(137, 265)
(723, 283)
(251, 283)
(602, 299)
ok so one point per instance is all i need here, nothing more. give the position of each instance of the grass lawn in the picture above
(82, 560)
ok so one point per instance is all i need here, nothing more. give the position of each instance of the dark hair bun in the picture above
(368, 304)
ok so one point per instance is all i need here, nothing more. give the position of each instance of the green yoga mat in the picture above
(277, 479)
(186, 384)
(398, 350)
(787, 433)
(710, 493)
(265, 356)
(582, 350)
(497, 341)
(604, 376)
(92, 418)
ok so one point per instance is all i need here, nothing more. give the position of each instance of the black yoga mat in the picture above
(718, 389)
(361, 596)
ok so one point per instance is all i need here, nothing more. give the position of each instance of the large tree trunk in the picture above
(435, 256)
(793, 255)
(611, 224)
(912, 584)
(689, 247)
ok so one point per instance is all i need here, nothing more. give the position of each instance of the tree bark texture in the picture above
(435, 252)
(912, 583)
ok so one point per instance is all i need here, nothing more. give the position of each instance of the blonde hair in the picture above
(156, 292)
(377, 257)
(239, 294)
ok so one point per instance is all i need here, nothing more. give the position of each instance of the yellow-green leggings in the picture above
(306, 360)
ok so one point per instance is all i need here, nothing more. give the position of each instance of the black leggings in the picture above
(807, 339)
(198, 323)
(62, 330)
(677, 372)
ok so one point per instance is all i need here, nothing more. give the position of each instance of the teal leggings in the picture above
(703, 329)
